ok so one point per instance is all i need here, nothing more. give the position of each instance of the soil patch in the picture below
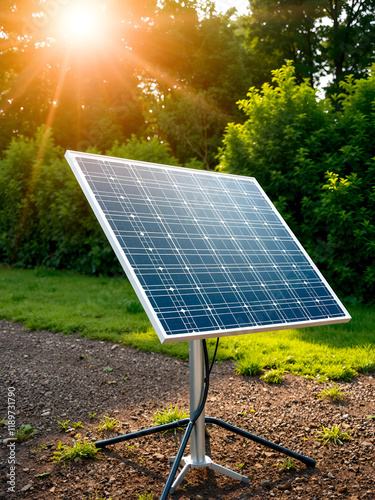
(56, 377)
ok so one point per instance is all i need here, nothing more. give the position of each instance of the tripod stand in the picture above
(195, 428)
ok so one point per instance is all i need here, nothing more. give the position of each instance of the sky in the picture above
(241, 5)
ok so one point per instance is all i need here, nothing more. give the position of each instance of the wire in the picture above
(207, 378)
(206, 385)
(192, 421)
(213, 359)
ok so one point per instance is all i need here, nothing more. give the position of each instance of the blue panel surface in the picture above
(207, 253)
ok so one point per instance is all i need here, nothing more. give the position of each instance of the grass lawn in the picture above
(108, 309)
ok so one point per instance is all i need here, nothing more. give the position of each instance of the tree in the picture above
(331, 38)
(192, 124)
(52, 75)
(348, 40)
(280, 30)
(95, 90)
(192, 111)
(317, 164)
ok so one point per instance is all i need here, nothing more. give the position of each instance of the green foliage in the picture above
(94, 307)
(333, 434)
(168, 415)
(108, 424)
(288, 465)
(334, 393)
(322, 38)
(144, 150)
(64, 425)
(45, 219)
(250, 365)
(274, 376)
(145, 496)
(282, 120)
(194, 126)
(80, 449)
(212, 72)
(77, 425)
(24, 433)
(317, 165)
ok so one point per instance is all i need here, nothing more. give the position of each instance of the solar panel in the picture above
(207, 253)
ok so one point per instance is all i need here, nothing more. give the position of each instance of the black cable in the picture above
(214, 357)
(206, 385)
(189, 427)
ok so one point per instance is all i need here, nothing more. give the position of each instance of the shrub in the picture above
(316, 162)
(45, 219)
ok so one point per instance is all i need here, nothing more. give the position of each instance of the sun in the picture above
(82, 22)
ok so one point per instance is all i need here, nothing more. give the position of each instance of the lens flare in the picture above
(82, 22)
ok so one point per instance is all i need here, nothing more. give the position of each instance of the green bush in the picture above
(44, 217)
(316, 161)
(143, 150)
(45, 220)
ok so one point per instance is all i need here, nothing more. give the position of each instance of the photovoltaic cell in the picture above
(207, 253)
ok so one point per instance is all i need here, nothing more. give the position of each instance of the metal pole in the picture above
(196, 367)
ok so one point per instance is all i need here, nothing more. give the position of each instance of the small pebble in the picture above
(285, 486)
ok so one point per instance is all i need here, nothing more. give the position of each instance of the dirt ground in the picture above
(56, 377)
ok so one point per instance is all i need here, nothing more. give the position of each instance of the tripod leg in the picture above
(180, 477)
(228, 472)
(144, 432)
(188, 463)
(177, 461)
(307, 461)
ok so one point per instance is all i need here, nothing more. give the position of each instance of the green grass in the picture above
(108, 424)
(169, 415)
(24, 433)
(334, 393)
(80, 449)
(65, 426)
(249, 365)
(334, 435)
(107, 309)
(274, 376)
(288, 465)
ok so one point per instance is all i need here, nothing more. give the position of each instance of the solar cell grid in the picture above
(207, 253)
